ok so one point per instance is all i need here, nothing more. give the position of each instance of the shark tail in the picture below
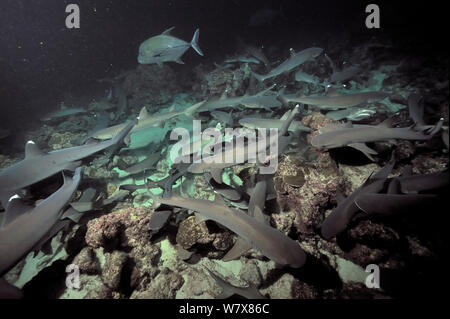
(259, 77)
(194, 42)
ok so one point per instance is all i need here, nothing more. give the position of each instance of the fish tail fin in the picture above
(194, 42)
(259, 77)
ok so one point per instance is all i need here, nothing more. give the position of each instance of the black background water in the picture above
(41, 61)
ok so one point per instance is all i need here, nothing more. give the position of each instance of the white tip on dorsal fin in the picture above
(172, 108)
(285, 115)
(387, 122)
(15, 208)
(143, 114)
(167, 32)
(224, 95)
(32, 150)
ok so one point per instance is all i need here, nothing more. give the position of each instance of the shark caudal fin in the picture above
(194, 42)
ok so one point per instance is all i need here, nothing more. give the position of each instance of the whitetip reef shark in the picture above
(39, 165)
(346, 209)
(292, 62)
(217, 162)
(146, 121)
(23, 226)
(255, 123)
(353, 135)
(334, 100)
(270, 241)
(255, 209)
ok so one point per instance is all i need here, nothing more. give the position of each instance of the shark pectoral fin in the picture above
(179, 61)
(72, 214)
(62, 224)
(15, 208)
(227, 289)
(32, 150)
(241, 246)
(159, 218)
(218, 199)
(71, 166)
(216, 174)
(199, 218)
(365, 149)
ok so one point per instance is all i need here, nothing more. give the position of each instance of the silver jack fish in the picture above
(166, 48)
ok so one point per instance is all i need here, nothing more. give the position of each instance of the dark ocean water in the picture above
(41, 60)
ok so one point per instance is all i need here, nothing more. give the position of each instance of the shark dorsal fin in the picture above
(32, 150)
(172, 108)
(15, 208)
(292, 52)
(362, 147)
(218, 199)
(143, 114)
(167, 32)
(332, 92)
(387, 122)
(224, 95)
(285, 115)
(259, 215)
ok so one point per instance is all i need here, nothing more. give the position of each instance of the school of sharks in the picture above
(216, 228)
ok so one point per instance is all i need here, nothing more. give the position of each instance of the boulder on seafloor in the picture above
(190, 233)
(315, 187)
(164, 286)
